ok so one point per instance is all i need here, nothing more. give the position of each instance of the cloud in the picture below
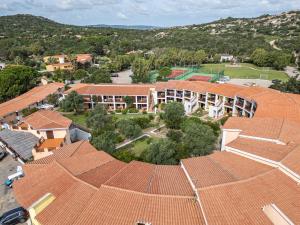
(122, 16)
(171, 12)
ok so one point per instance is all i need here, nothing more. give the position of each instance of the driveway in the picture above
(8, 166)
(124, 77)
(249, 82)
(292, 71)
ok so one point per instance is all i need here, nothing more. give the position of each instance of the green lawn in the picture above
(79, 119)
(246, 71)
(138, 146)
(129, 116)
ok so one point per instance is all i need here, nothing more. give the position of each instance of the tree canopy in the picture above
(72, 103)
(160, 152)
(16, 80)
(174, 114)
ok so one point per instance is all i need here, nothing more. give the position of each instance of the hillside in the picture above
(27, 36)
(130, 27)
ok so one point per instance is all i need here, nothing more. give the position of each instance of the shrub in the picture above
(151, 117)
(125, 156)
(124, 111)
(129, 128)
(143, 122)
(174, 135)
(133, 110)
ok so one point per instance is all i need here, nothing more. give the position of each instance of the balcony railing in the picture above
(240, 104)
(170, 93)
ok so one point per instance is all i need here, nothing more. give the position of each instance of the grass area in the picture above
(246, 71)
(137, 147)
(79, 119)
(129, 116)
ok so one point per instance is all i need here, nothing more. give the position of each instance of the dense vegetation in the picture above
(23, 38)
(185, 137)
(15, 80)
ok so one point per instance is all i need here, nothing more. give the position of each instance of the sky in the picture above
(144, 12)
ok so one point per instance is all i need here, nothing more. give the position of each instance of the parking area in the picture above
(124, 77)
(8, 166)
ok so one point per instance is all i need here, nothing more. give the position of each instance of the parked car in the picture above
(114, 75)
(14, 216)
(2, 154)
(11, 178)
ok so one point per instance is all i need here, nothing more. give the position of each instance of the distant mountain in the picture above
(130, 27)
(30, 36)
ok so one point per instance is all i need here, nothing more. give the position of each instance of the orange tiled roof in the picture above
(242, 202)
(112, 206)
(82, 163)
(102, 173)
(47, 119)
(70, 204)
(292, 160)
(83, 58)
(76, 149)
(112, 89)
(232, 189)
(51, 178)
(265, 149)
(153, 179)
(271, 128)
(220, 168)
(31, 97)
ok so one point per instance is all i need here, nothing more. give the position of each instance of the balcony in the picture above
(141, 100)
(161, 94)
(187, 94)
(240, 104)
(248, 107)
(179, 94)
(108, 99)
(119, 99)
(170, 93)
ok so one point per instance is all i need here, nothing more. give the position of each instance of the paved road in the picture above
(124, 78)
(8, 166)
(292, 71)
(249, 82)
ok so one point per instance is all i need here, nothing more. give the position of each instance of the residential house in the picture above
(50, 127)
(11, 111)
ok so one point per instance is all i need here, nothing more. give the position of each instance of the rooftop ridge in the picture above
(74, 177)
(239, 181)
(148, 194)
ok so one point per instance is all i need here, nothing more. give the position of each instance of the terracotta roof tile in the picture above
(242, 202)
(51, 178)
(31, 97)
(112, 89)
(292, 160)
(112, 206)
(152, 179)
(82, 163)
(47, 119)
(101, 174)
(65, 209)
(265, 149)
(271, 128)
(75, 149)
(221, 167)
